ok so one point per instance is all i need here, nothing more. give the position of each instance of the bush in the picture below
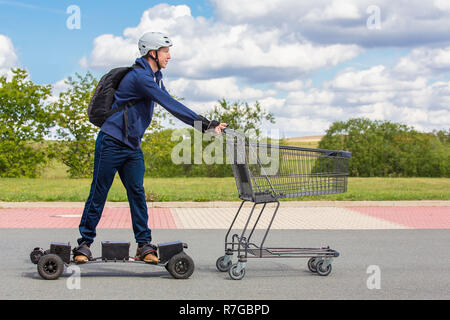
(166, 154)
(383, 148)
(21, 159)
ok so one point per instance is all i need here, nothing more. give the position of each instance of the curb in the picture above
(234, 204)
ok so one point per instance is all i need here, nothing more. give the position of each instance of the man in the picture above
(117, 147)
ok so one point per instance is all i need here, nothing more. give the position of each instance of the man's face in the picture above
(163, 57)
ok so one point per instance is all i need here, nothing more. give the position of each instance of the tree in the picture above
(241, 116)
(77, 145)
(24, 122)
(383, 148)
(158, 145)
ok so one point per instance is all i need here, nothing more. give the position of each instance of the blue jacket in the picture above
(137, 84)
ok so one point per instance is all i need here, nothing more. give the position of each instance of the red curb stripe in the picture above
(169, 219)
(112, 218)
(412, 217)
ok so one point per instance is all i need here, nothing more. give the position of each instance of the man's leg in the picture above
(132, 175)
(108, 157)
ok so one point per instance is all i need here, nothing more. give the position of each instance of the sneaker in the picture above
(82, 253)
(147, 253)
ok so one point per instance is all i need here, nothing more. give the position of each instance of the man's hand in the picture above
(220, 128)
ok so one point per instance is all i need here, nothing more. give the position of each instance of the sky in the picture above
(310, 62)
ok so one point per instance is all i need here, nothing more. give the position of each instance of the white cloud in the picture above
(377, 93)
(162, 18)
(293, 85)
(443, 5)
(8, 56)
(413, 23)
(282, 43)
(215, 89)
(241, 10)
(335, 10)
(311, 96)
(110, 51)
(57, 88)
(425, 62)
(300, 126)
(377, 78)
(206, 49)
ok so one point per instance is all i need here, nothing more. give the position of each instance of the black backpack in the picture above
(101, 102)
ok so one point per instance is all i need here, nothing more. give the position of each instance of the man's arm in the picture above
(148, 88)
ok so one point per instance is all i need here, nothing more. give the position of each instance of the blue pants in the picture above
(111, 156)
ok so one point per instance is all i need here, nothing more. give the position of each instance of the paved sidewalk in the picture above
(306, 215)
(234, 204)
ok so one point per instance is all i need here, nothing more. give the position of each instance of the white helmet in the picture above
(153, 41)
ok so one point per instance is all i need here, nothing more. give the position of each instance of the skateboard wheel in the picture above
(50, 266)
(36, 254)
(180, 266)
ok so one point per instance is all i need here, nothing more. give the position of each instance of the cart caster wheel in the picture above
(36, 254)
(312, 264)
(235, 274)
(50, 266)
(221, 266)
(321, 270)
(180, 266)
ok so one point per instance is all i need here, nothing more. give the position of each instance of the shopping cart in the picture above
(265, 173)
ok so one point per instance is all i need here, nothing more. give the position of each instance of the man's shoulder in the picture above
(142, 73)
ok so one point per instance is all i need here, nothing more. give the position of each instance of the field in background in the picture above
(54, 185)
(305, 142)
(218, 189)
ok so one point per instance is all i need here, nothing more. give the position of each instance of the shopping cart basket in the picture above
(291, 172)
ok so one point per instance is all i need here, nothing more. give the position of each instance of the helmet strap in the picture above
(155, 58)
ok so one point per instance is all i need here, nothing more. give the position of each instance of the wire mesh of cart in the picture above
(265, 173)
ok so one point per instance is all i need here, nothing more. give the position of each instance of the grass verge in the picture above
(217, 189)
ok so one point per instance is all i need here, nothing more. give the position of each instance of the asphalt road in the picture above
(396, 264)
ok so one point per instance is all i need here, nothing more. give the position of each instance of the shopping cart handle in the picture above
(226, 129)
(232, 132)
(340, 153)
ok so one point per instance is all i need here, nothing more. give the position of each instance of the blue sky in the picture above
(49, 50)
(310, 63)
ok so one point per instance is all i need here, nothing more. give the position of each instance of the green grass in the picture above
(54, 169)
(54, 185)
(217, 189)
